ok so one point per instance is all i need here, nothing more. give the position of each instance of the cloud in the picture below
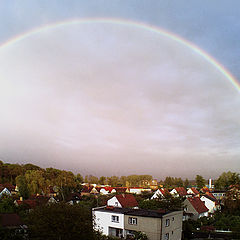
(95, 96)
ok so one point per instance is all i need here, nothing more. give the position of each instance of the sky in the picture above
(107, 96)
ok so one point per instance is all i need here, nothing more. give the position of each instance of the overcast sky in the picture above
(104, 98)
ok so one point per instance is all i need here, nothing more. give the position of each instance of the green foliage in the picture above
(102, 180)
(22, 186)
(171, 182)
(140, 236)
(226, 179)
(168, 203)
(7, 204)
(200, 181)
(186, 183)
(60, 221)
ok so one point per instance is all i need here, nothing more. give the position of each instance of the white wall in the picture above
(135, 190)
(103, 220)
(114, 202)
(157, 194)
(174, 193)
(209, 204)
(6, 192)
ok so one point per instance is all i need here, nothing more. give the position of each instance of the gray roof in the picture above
(134, 212)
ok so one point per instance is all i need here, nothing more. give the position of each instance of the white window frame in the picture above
(132, 221)
(166, 236)
(167, 222)
(115, 218)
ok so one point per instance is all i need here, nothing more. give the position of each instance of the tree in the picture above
(7, 205)
(22, 186)
(186, 183)
(60, 222)
(102, 180)
(226, 179)
(113, 181)
(92, 179)
(200, 181)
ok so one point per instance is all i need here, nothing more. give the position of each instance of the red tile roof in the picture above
(198, 205)
(205, 189)
(30, 203)
(211, 197)
(195, 191)
(127, 200)
(164, 191)
(181, 191)
(10, 220)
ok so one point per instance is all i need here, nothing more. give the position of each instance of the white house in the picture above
(193, 191)
(194, 208)
(5, 191)
(109, 221)
(121, 222)
(210, 202)
(160, 193)
(103, 191)
(122, 200)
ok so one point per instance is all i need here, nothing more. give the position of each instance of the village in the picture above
(149, 210)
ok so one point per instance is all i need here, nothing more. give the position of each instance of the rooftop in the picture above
(134, 212)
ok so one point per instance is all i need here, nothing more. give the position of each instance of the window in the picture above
(115, 218)
(172, 218)
(166, 236)
(132, 221)
(116, 204)
(167, 223)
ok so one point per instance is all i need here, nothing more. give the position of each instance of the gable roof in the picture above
(30, 203)
(181, 191)
(195, 191)
(198, 205)
(210, 197)
(127, 200)
(164, 191)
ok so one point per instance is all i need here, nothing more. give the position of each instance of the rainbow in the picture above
(144, 26)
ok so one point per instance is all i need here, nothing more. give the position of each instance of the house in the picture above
(179, 192)
(219, 194)
(160, 193)
(194, 208)
(124, 222)
(73, 198)
(11, 188)
(204, 190)
(86, 190)
(5, 191)
(138, 190)
(122, 201)
(210, 202)
(28, 203)
(193, 191)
